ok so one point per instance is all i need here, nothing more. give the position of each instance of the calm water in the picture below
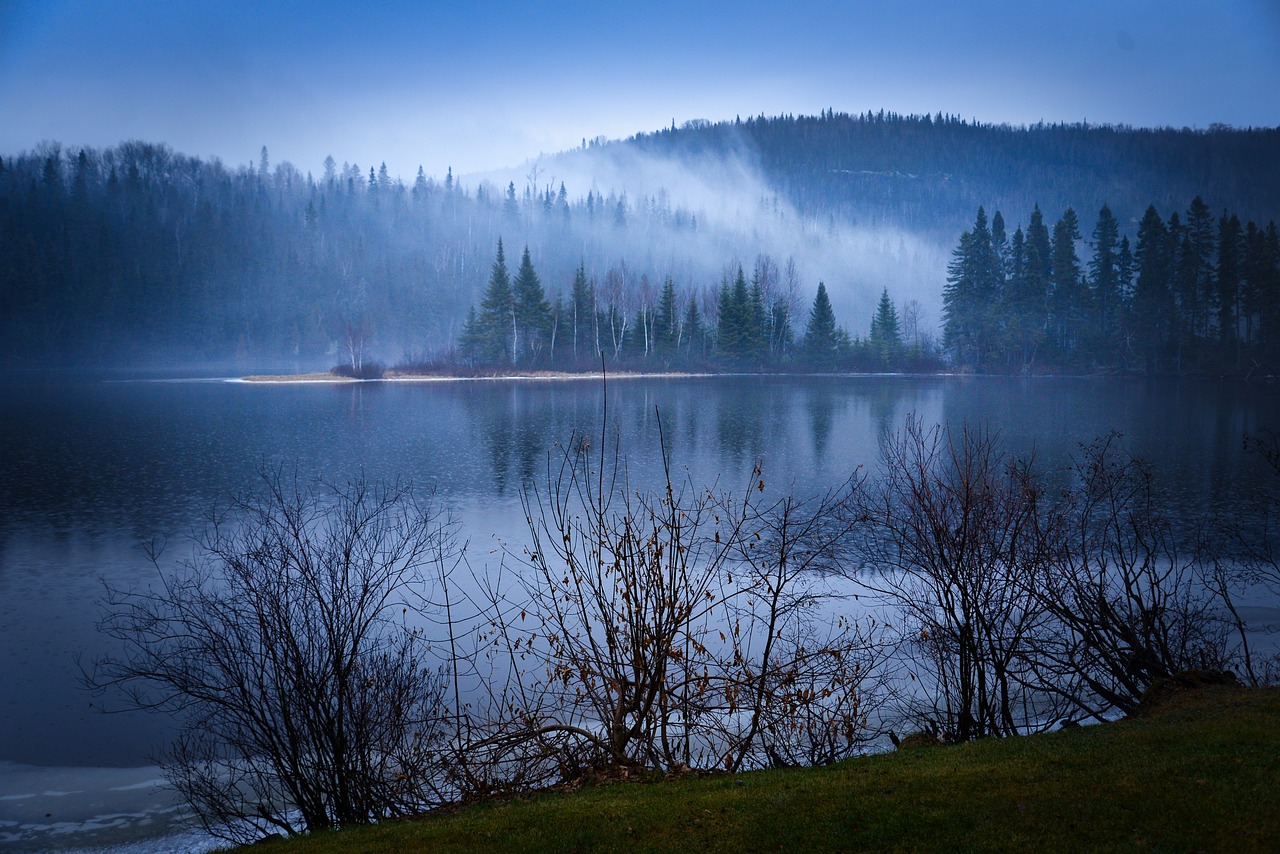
(91, 470)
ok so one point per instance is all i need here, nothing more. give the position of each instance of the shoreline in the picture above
(396, 377)
(393, 377)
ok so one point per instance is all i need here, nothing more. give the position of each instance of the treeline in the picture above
(922, 171)
(739, 325)
(136, 252)
(1194, 295)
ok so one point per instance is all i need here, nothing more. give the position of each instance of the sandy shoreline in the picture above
(427, 378)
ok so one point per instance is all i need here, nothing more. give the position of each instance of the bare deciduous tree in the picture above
(1128, 597)
(676, 628)
(955, 545)
(304, 698)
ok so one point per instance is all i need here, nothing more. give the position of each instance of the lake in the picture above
(92, 469)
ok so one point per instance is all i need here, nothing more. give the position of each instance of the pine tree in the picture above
(471, 343)
(1230, 240)
(1104, 284)
(1198, 293)
(735, 334)
(666, 320)
(886, 336)
(498, 321)
(1034, 301)
(822, 337)
(693, 334)
(1012, 341)
(533, 312)
(1068, 299)
(583, 309)
(969, 297)
(1151, 315)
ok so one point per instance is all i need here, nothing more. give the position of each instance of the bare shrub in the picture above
(305, 701)
(956, 539)
(675, 628)
(1131, 600)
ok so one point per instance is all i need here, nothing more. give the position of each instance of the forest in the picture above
(700, 246)
(1193, 295)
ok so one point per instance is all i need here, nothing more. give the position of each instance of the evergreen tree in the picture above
(757, 322)
(1033, 302)
(886, 336)
(1013, 341)
(1069, 301)
(666, 320)
(822, 338)
(1104, 284)
(1185, 291)
(736, 328)
(969, 297)
(999, 264)
(1198, 293)
(510, 207)
(533, 312)
(1230, 247)
(419, 193)
(471, 343)
(583, 310)
(499, 324)
(693, 335)
(1151, 316)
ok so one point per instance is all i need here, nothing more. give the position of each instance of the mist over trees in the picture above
(926, 172)
(137, 253)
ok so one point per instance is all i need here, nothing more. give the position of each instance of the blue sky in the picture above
(478, 86)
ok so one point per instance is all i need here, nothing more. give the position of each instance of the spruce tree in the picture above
(1198, 293)
(1104, 284)
(533, 312)
(1151, 313)
(471, 343)
(1033, 301)
(970, 295)
(757, 321)
(1012, 334)
(735, 329)
(1068, 299)
(583, 309)
(693, 334)
(666, 320)
(822, 337)
(498, 321)
(1230, 240)
(886, 336)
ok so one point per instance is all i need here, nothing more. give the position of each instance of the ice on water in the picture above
(101, 810)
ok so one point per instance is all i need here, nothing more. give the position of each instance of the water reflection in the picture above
(91, 470)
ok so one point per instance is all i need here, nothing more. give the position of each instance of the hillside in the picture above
(137, 253)
(930, 173)
(1197, 775)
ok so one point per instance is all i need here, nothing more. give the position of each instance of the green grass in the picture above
(1203, 774)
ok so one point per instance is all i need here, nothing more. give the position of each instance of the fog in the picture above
(707, 213)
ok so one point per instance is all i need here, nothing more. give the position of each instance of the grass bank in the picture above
(1200, 774)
